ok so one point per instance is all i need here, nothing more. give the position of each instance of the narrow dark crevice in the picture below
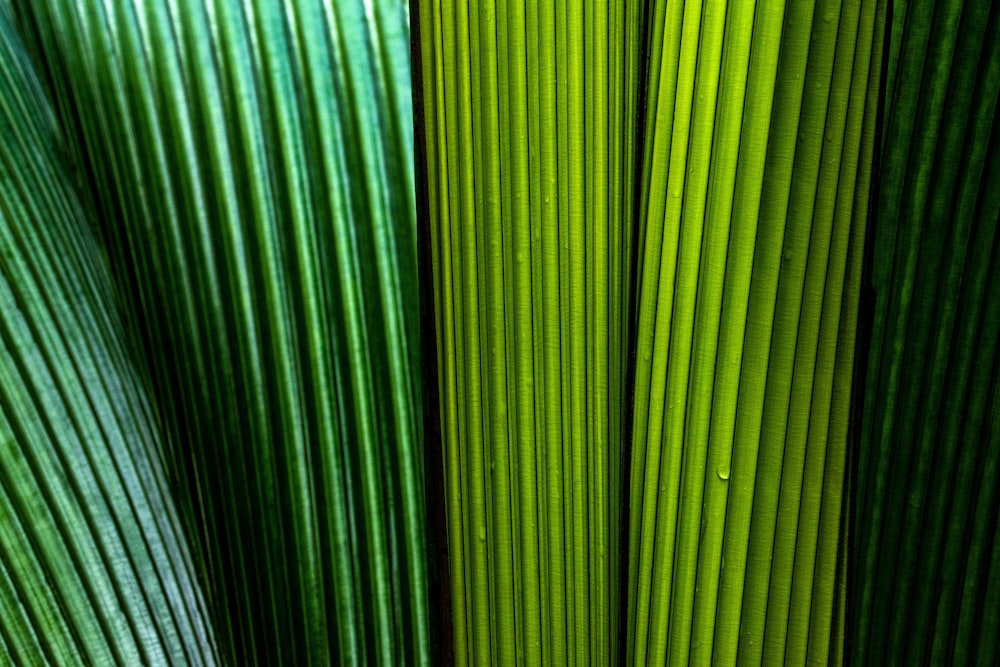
(865, 323)
(628, 396)
(436, 520)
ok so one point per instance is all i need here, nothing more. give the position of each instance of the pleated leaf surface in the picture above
(926, 556)
(95, 568)
(530, 115)
(760, 134)
(251, 168)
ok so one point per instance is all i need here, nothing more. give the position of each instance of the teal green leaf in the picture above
(251, 168)
(95, 568)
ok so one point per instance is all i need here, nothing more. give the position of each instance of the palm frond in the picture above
(94, 565)
(251, 166)
(927, 558)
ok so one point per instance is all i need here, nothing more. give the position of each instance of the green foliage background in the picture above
(706, 295)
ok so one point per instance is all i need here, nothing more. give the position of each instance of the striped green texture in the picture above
(530, 111)
(94, 565)
(926, 556)
(760, 137)
(251, 166)
(750, 176)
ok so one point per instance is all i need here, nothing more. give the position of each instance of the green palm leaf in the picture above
(250, 164)
(529, 155)
(649, 228)
(927, 559)
(751, 189)
(755, 187)
(94, 565)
